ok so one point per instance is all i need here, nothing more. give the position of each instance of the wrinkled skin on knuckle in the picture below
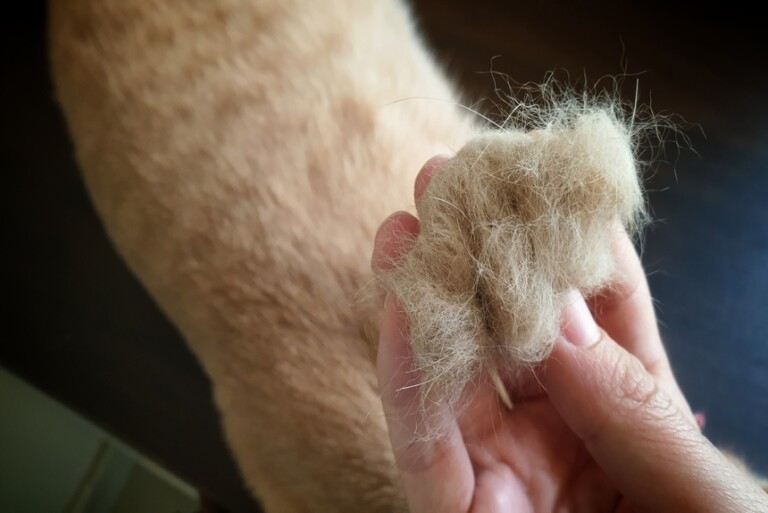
(641, 401)
(635, 395)
(636, 391)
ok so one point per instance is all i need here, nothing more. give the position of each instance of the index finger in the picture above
(625, 311)
(624, 308)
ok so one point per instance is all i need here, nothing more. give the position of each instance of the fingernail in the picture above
(579, 327)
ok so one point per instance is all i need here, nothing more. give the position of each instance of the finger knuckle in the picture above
(638, 394)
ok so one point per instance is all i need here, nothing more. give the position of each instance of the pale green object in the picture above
(54, 461)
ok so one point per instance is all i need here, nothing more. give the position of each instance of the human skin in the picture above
(600, 426)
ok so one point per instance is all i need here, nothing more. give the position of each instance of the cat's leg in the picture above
(240, 154)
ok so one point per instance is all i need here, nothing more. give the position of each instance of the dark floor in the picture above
(82, 329)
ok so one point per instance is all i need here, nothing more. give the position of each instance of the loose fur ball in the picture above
(509, 226)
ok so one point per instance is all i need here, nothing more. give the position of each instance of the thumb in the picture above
(632, 428)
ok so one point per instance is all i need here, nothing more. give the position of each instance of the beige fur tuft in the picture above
(512, 224)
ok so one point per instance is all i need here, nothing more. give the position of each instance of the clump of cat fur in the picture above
(513, 223)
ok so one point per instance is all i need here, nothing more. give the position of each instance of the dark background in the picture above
(80, 328)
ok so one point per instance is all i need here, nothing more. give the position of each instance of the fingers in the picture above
(625, 311)
(431, 167)
(429, 450)
(632, 427)
(393, 239)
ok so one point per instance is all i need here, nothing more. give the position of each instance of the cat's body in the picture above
(241, 154)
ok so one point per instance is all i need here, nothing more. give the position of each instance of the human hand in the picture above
(601, 426)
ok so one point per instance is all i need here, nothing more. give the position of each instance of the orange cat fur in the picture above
(241, 154)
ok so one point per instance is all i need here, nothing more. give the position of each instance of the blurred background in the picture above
(101, 404)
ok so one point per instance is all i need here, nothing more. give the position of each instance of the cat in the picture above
(241, 154)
